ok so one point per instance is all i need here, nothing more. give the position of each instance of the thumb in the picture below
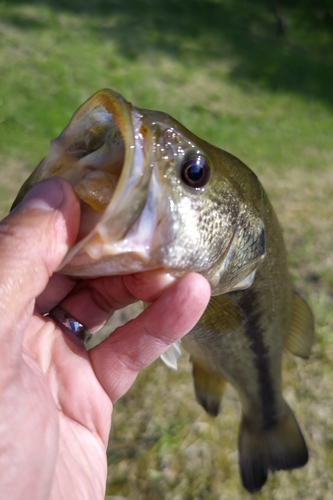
(34, 239)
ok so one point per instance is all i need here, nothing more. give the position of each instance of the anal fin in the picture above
(301, 332)
(209, 389)
(281, 447)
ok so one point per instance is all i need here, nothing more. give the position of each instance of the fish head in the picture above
(153, 195)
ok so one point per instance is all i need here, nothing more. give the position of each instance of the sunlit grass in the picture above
(220, 69)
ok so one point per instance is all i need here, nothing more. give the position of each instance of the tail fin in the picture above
(281, 447)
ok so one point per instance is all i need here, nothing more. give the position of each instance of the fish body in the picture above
(153, 195)
(240, 340)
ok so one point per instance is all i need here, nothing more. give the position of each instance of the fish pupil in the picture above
(195, 172)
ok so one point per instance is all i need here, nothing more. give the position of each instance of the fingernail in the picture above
(46, 195)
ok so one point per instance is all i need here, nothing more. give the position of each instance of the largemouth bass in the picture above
(153, 195)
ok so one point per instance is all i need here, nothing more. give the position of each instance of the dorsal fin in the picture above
(301, 331)
(209, 389)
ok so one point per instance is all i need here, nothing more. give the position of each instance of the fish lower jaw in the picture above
(110, 265)
(125, 257)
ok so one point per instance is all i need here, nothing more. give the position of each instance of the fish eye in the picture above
(195, 171)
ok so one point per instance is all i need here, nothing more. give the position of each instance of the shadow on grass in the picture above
(201, 31)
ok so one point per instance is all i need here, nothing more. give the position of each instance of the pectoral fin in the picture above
(209, 389)
(171, 355)
(301, 331)
(281, 447)
(223, 315)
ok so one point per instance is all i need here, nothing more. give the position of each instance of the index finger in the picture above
(132, 347)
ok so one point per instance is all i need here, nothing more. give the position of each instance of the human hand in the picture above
(55, 397)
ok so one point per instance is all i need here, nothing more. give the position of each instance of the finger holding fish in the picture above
(133, 351)
(93, 301)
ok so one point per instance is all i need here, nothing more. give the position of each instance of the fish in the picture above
(155, 196)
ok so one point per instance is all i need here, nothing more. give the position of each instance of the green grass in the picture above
(219, 67)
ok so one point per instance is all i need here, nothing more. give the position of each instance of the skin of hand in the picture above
(56, 398)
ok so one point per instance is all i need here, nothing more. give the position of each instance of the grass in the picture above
(219, 67)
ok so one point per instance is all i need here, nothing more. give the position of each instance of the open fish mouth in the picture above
(104, 152)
